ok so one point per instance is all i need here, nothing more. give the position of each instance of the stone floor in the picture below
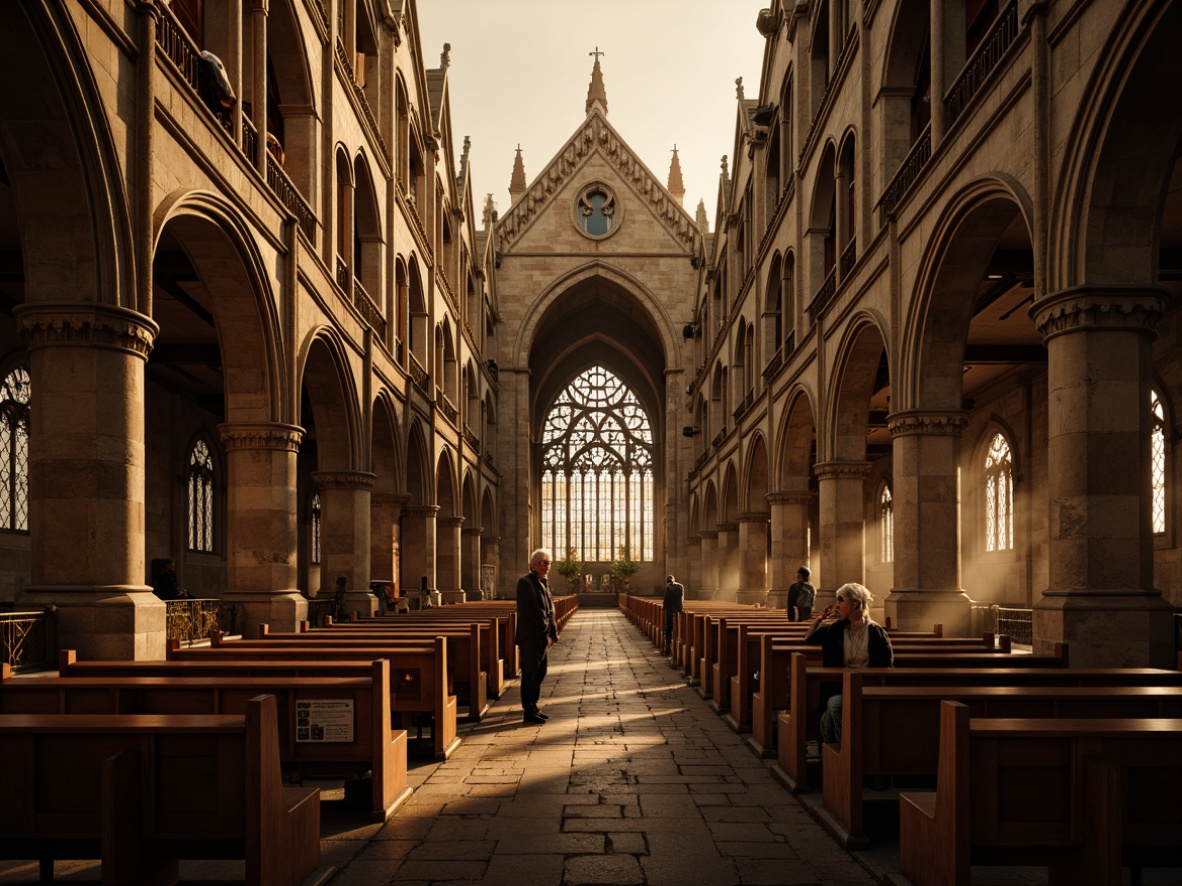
(634, 780)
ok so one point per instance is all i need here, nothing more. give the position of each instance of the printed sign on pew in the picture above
(324, 720)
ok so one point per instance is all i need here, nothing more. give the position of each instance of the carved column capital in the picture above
(842, 470)
(450, 522)
(728, 527)
(922, 422)
(424, 511)
(90, 326)
(754, 517)
(790, 498)
(395, 499)
(709, 534)
(261, 435)
(1113, 308)
(359, 480)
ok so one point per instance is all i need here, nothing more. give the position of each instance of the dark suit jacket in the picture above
(831, 638)
(535, 613)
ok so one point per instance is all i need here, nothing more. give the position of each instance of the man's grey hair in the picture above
(860, 594)
(539, 555)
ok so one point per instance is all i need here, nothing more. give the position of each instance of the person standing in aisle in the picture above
(537, 631)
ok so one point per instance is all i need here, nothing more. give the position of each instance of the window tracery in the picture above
(1158, 461)
(201, 484)
(15, 396)
(999, 496)
(886, 524)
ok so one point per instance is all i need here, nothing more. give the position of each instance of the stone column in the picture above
(448, 558)
(344, 536)
(693, 576)
(926, 489)
(86, 478)
(418, 546)
(752, 558)
(261, 523)
(385, 510)
(1101, 598)
(709, 570)
(490, 555)
(726, 554)
(842, 503)
(790, 547)
(471, 562)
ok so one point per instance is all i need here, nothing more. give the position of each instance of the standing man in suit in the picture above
(537, 631)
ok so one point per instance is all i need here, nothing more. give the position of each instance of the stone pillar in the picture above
(843, 226)
(86, 478)
(790, 542)
(693, 576)
(448, 559)
(1101, 598)
(926, 489)
(752, 558)
(418, 546)
(490, 555)
(262, 530)
(258, 81)
(344, 536)
(709, 547)
(385, 511)
(842, 502)
(471, 562)
(727, 556)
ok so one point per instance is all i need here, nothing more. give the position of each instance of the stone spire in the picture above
(676, 185)
(702, 221)
(464, 158)
(517, 185)
(490, 212)
(596, 91)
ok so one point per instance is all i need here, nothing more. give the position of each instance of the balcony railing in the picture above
(192, 620)
(28, 640)
(984, 61)
(913, 164)
(471, 439)
(773, 365)
(849, 257)
(823, 296)
(342, 274)
(444, 405)
(419, 375)
(718, 438)
(368, 309)
(290, 196)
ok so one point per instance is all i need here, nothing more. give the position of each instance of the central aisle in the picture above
(633, 781)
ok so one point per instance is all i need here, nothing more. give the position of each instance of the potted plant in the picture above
(622, 570)
(570, 568)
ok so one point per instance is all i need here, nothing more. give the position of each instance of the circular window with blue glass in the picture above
(597, 212)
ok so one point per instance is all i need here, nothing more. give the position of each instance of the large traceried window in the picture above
(597, 471)
(314, 513)
(201, 480)
(1157, 458)
(999, 496)
(886, 524)
(14, 450)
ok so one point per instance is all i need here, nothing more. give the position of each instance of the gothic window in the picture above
(1158, 461)
(14, 450)
(315, 515)
(886, 524)
(999, 496)
(595, 211)
(201, 479)
(597, 471)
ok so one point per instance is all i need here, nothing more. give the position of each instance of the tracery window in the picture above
(315, 519)
(999, 496)
(201, 482)
(597, 471)
(886, 524)
(595, 211)
(1158, 461)
(14, 450)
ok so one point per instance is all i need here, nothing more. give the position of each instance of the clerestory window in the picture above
(597, 472)
(14, 450)
(999, 496)
(201, 498)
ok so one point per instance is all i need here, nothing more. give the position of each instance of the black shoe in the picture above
(533, 718)
(540, 714)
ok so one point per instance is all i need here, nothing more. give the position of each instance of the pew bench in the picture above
(1082, 797)
(141, 792)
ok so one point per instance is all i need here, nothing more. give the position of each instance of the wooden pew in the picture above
(894, 731)
(1080, 796)
(359, 742)
(464, 643)
(418, 674)
(123, 789)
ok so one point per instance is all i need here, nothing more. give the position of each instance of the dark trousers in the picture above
(669, 628)
(533, 671)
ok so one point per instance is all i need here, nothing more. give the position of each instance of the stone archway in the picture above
(794, 499)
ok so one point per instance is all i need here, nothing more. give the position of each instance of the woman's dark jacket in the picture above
(831, 639)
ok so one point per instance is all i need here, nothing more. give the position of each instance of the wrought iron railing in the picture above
(342, 274)
(199, 619)
(984, 61)
(773, 365)
(289, 195)
(28, 640)
(719, 437)
(418, 374)
(701, 460)
(444, 405)
(913, 164)
(471, 439)
(179, 47)
(368, 309)
(1017, 624)
(250, 140)
(823, 296)
(849, 258)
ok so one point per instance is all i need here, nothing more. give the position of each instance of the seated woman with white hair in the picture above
(853, 641)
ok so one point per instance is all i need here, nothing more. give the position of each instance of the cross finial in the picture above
(597, 53)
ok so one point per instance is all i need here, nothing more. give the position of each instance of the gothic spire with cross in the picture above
(676, 184)
(596, 91)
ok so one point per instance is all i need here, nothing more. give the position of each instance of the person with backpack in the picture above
(800, 596)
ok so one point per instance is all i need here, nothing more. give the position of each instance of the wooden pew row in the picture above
(1081, 796)
(491, 645)
(466, 673)
(810, 682)
(359, 740)
(121, 789)
(894, 731)
(418, 675)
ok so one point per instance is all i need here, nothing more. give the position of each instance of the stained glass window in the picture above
(1158, 461)
(315, 513)
(999, 496)
(886, 523)
(597, 471)
(201, 480)
(14, 450)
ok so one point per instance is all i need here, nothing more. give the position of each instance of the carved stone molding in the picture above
(842, 470)
(359, 480)
(424, 511)
(473, 530)
(450, 522)
(709, 534)
(920, 422)
(93, 326)
(728, 527)
(1128, 308)
(790, 498)
(755, 517)
(261, 436)
(596, 134)
(389, 499)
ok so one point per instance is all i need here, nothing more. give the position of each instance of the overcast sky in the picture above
(520, 70)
